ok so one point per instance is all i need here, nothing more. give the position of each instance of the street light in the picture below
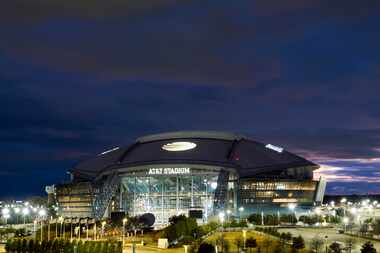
(35, 229)
(244, 237)
(345, 221)
(241, 209)
(221, 218)
(60, 220)
(124, 221)
(41, 214)
(103, 225)
(5, 213)
(25, 212)
(292, 207)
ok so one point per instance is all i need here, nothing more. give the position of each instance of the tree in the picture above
(98, 247)
(368, 248)
(335, 247)
(316, 244)
(266, 244)
(24, 246)
(18, 245)
(8, 246)
(206, 248)
(30, 246)
(298, 243)
(239, 243)
(222, 243)
(111, 249)
(350, 244)
(251, 243)
(119, 247)
(376, 227)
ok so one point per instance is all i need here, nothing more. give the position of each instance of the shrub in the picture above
(206, 248)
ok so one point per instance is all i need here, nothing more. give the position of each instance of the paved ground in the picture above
(331, 233)
(145, 249)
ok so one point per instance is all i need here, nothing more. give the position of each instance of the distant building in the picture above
(192, 173)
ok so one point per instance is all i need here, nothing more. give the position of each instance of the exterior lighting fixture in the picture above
(345, 220)
(108, 151)
(17, 210)
(275, 148)
(42, 212)
(179, 146)
(221, 217)
(343, 200)
(5, 211)
(292, 206)
(241, 209)
(25, 211)
(214, 185)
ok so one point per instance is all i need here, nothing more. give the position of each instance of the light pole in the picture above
(25, 212)
(103, 225)
(94, 230)
(221, 218)
(241, 210)
(345, 221)
(71, 229)
(292, 207)
(41, 214)
(17, 211)
(5, 212)
(343, 202)
(49, 221)
(35, 229)
(60, 219)
(244, 237)
(228, 216)
(124, 221)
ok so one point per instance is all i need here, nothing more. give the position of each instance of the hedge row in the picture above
(62, 246)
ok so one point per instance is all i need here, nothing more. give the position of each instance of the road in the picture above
(309, 233)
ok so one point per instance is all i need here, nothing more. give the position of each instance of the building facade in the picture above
(191, 173)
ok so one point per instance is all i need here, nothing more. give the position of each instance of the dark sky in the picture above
(79, 77)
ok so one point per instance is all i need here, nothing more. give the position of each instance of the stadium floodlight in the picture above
(25, 211)
(42, 212)
(5, 211)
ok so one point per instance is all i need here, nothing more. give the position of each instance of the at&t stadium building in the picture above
(192, 173)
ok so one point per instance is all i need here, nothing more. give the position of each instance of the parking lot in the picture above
(309, 233)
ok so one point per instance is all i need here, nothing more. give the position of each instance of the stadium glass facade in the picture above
(167, 193)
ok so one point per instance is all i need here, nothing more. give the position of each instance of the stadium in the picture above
(193, 173)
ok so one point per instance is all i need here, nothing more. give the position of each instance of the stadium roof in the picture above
(222, 149)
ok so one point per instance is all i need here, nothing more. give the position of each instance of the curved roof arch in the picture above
(230, 150)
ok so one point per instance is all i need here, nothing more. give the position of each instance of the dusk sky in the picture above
(80, 77)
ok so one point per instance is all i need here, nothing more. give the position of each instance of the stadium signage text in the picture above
(168, 171)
